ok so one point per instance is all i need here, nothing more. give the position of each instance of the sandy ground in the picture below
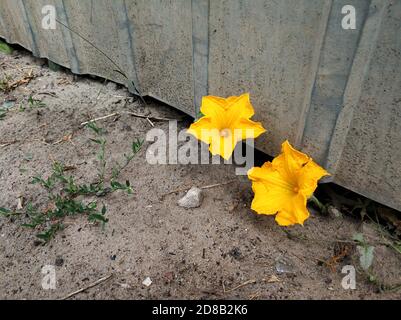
(221, 250)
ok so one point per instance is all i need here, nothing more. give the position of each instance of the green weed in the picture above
(66, 195)
(5, 48)
(5, 83)
(35, 103)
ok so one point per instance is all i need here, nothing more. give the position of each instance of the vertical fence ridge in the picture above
(200, 50)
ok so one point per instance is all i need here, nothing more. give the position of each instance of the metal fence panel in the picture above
(334, 93)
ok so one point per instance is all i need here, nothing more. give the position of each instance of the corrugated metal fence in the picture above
(333, 92)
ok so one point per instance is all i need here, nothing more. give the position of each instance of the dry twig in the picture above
(100, 118)
(204, 187)
(155, 118)
(272, 279)
(101, 280)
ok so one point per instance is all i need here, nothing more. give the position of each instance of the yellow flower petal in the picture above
(212, 106)
(272, 192)
(223, 146)
(235, 108)
(296, 212)
(226, 122)
(249, 129)
(309, 176)
(284, 185)
(290, 160)
(199, 127)
(296, 158)
(240, 106)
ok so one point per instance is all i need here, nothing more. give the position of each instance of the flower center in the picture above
(296, 189)
(225, 133)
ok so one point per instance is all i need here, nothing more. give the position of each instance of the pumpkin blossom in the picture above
(225, 122)
(283, 186)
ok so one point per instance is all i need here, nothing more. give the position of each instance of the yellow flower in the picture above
(225, 122)
(284, 185)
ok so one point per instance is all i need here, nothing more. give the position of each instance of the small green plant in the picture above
(6, 212)
(66, 196)
(366, 256)
(2, 114)
(135, 147)
(101, 154)
(5, 48)
(35, 103)
(62, 195)
(366, 251)
(118, 168)
(5, 83)
(322, 207)
(32, 104)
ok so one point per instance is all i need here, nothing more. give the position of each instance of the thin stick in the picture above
(132, 114)
(149, 117)
(101, 280)
(252, 281)
(241, 285)
(204, 187)
(100, 118)
(7, 143)
(3, 145)
(217, 184)
(97, 97)
(150, 122)
(66, 138)
(52, 94)
(254, 296)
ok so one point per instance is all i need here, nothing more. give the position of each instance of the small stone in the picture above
(8, 104)
(20, 203)
(169, 276)
(334, 212)
(235, 253)
(127, 127)
(112, 85)
(147, 282)
(193, 198)
(273, 278)
(37, 243)
(284, 265)
(59, 262)
(232, 207)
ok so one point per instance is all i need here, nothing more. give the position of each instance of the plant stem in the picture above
(320, 205)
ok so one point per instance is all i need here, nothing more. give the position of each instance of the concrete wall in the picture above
(334, 93)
